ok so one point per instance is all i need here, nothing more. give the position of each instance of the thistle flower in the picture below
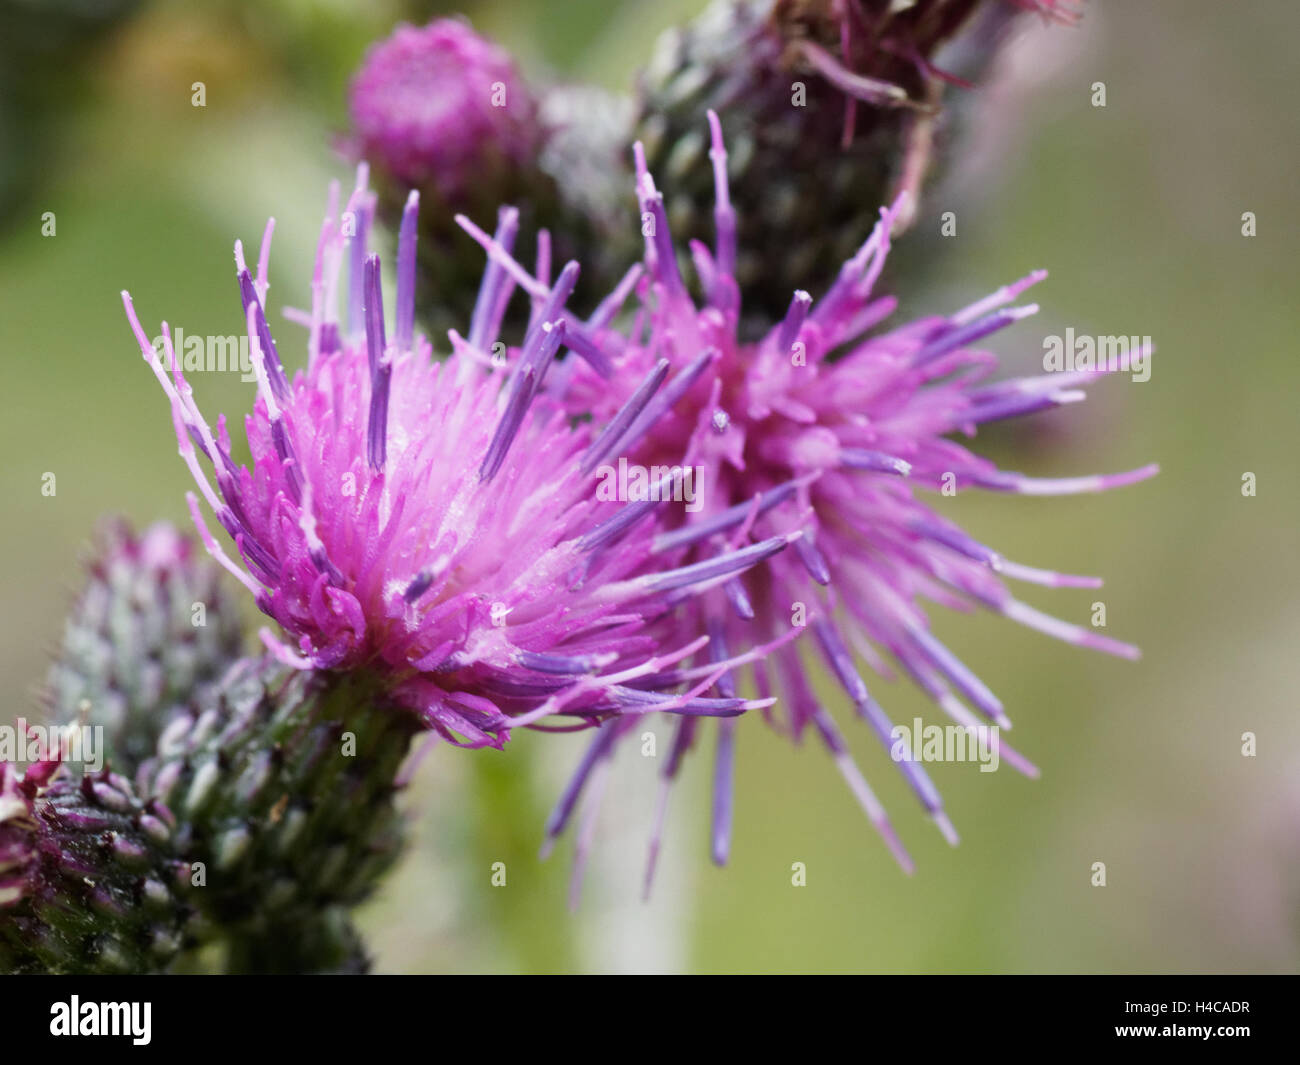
(825, 428)
(830, 108)
(431, 523)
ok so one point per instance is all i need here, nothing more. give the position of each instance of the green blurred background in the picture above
(1136, 209)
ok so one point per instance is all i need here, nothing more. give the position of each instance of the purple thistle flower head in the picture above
(433, 521)
(437, 106)
(836, 427)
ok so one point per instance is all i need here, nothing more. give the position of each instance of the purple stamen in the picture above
(197, 440)
(659, 492)
(609, 436)
(659, 243)
(374, 313)
(542, 269)
(788, 330)
(275, 369)
(406, 240)
(724, 215)
(250, 547)
(962, 335)
(726, 519)
(713, 568)
(860, 458)
(699, 706)
(525, 388)
(960, 676)
(812, 560)
(284, 448)
(495, 288)
(578, 341)
(957, 540)
(1013, 407)
(841, 663)
(329, 338)
(561, 664)
(381, 366)
(550, 309)
(361, 208)
(582, 345)
(674, 391)
(739, 599)
(829, 309)
(613, 303)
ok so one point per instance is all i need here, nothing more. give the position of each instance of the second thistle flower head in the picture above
(431, 521)
(835, 427)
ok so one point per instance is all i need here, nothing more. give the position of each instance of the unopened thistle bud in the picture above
(282, 788)
(266, 807)
(444, 111)
(90, 877)
(153, 626)
(829, 109)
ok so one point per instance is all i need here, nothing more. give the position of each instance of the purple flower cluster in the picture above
(438, 521)
(828, 431)
(433, 520)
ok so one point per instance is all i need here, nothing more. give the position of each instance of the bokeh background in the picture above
(1135, 208)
